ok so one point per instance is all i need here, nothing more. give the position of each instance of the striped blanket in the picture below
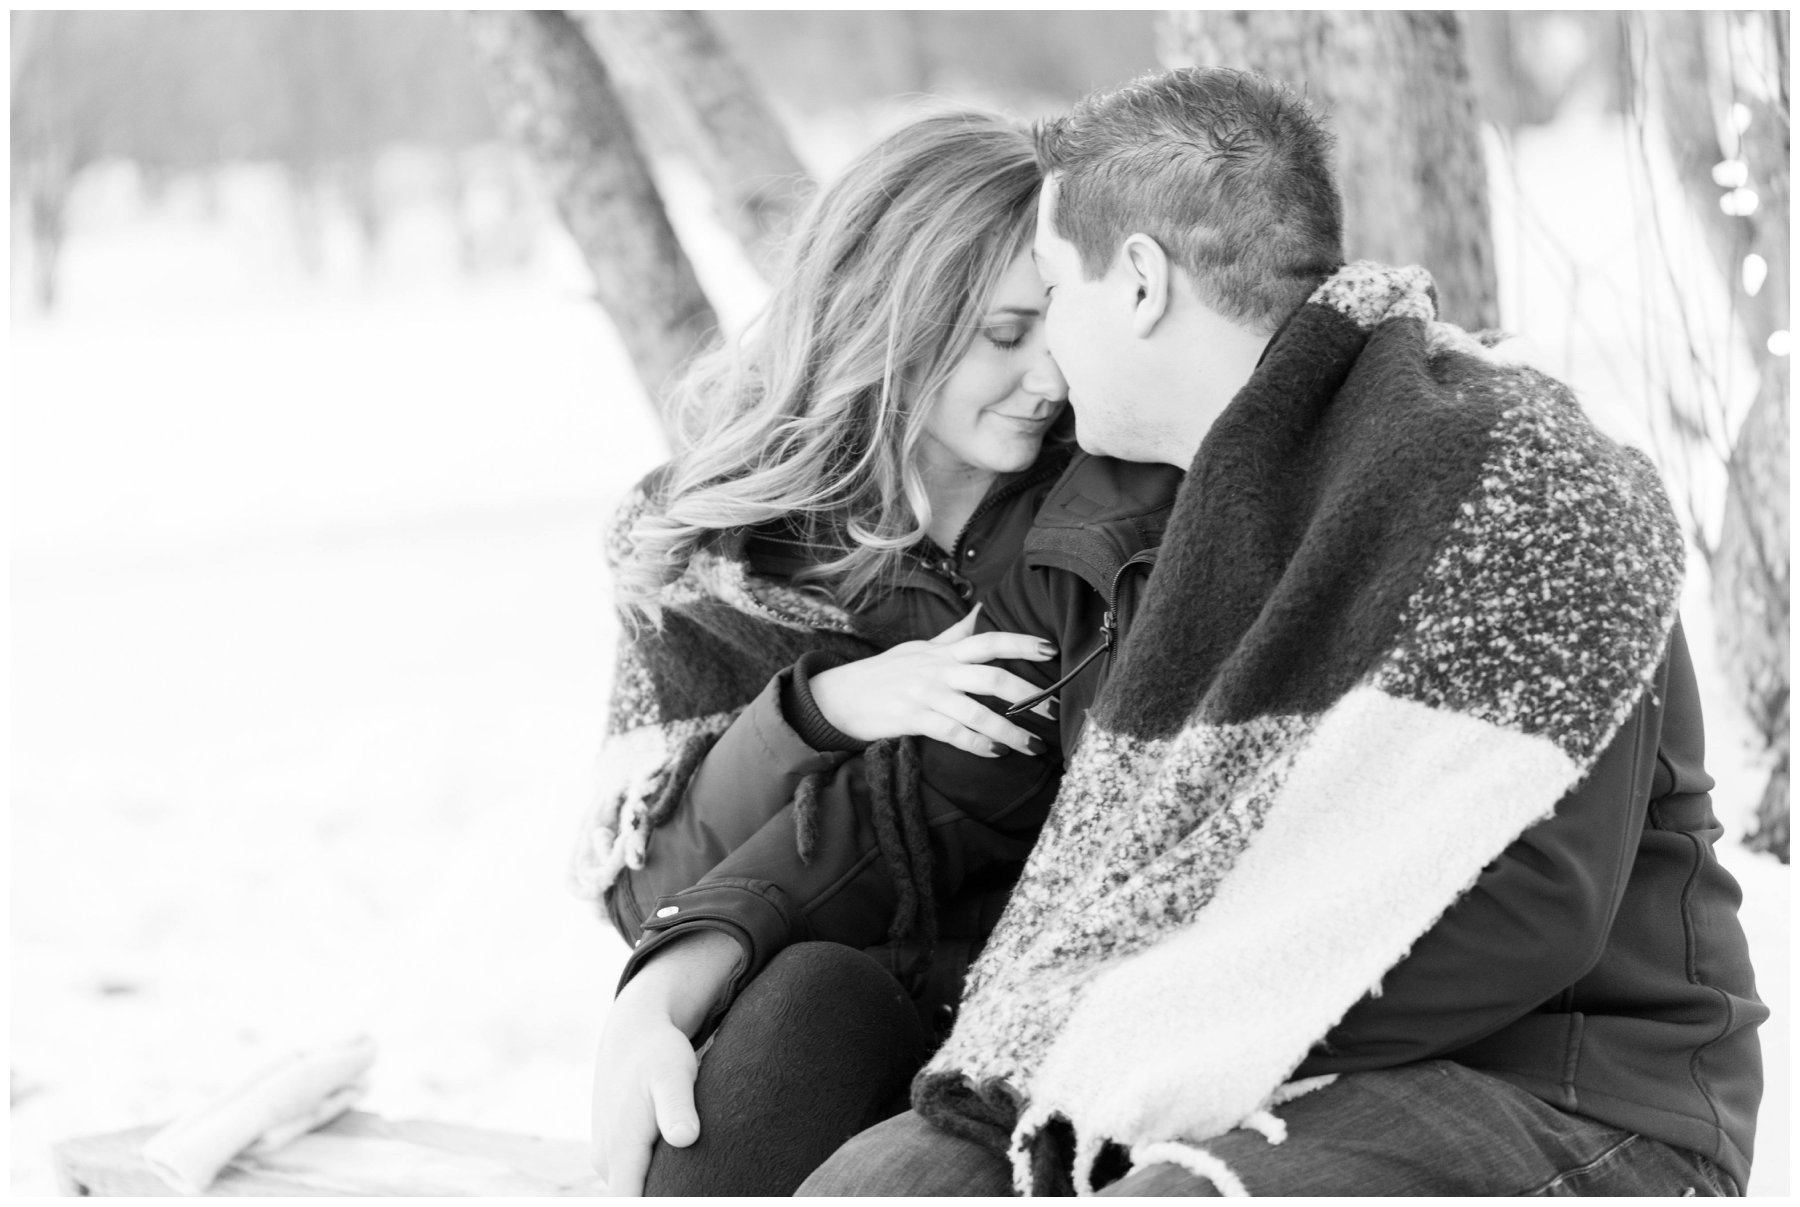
(725, 633)
(1407, 595)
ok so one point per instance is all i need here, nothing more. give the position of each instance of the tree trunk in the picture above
(1395, 89)
(759, 186)
(555, 100)
(1695, 84)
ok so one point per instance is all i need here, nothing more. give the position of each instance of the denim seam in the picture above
(1589, 1167)
(1722, 1183)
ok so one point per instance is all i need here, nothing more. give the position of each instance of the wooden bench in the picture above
(357, 1154)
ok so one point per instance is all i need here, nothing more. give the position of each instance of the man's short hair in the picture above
(1229, 171)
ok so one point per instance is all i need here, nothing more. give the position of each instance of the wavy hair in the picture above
(817, 411)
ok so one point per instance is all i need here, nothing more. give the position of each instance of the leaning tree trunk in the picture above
(1694, 86)
(758, 183)
(555, 99)
(1395, 87)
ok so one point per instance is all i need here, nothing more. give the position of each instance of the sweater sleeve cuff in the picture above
(755, 913)
(801, 711)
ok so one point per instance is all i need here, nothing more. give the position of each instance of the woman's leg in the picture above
(823, 1044)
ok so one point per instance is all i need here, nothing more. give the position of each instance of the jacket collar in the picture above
(1099, 514)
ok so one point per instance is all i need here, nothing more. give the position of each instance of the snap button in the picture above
(969, 554)
(667, 910)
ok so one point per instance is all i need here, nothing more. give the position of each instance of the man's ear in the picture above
(1147, 267)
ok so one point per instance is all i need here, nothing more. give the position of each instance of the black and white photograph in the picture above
(915, 603)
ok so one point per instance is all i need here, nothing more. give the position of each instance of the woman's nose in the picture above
(1044, 378)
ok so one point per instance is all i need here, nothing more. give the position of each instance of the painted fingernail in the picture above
(1046, 649)
(1036, 745)
(995, 750)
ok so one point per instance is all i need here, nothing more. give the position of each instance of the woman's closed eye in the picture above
(1006, 336)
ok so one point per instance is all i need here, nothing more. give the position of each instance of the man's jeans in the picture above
(1429, 1128)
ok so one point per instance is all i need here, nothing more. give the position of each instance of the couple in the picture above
(1296, 787)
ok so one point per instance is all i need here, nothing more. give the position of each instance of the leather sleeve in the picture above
(748, 777)
(1537, 918)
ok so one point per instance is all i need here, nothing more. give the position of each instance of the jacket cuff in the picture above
(755, 913)
(801, 711)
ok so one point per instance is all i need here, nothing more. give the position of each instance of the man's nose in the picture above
(1045, 379)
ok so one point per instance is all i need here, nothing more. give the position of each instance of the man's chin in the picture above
(1089, 444)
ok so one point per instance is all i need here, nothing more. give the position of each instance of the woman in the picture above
(852, 476)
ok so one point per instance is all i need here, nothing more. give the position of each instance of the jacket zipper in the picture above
(1109, 629)
(946, 565)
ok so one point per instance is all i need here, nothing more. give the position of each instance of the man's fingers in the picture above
(986, 647)
(959, 630)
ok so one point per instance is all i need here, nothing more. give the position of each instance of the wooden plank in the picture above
(357, 1154)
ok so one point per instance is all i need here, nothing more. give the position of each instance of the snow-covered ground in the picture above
(310, 648)
(309, 652)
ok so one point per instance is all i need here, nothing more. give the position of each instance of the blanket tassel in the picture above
(1196, 1161)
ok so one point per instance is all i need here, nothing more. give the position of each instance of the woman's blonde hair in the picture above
(817, 412)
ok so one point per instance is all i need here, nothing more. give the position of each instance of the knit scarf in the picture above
(725, 632)
(1406, 597)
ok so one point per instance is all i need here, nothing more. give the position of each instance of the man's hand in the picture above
(644, 1073)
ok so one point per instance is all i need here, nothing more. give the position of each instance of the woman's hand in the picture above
(644, 1073)
(924, 688)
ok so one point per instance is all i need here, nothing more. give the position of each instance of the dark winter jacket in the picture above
(1598, 963)
(734, 834)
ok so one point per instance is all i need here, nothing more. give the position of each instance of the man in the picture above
(1384, 866)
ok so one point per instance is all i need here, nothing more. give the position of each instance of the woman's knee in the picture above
(819, 963)
(809, 986)
(820, 1045)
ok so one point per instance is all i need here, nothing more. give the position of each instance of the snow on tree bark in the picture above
(554, 99)
(1395, 89)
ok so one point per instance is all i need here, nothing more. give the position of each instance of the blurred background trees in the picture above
(323, 95)
(557, 101)
(364, 114)
(1717, 86)
(680, 74)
